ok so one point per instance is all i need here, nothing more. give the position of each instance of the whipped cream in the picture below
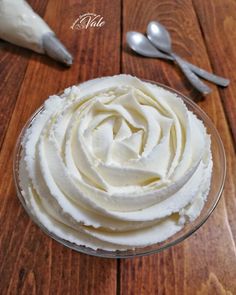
(20, 25)
(115, 163)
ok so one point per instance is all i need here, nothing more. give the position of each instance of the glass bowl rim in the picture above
(137, 251)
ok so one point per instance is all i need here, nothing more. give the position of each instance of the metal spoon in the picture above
(160, 37)
(140, 44)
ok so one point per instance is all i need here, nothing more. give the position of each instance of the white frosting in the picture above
(20, 25)
(115, 163)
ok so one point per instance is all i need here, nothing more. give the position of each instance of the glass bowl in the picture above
(217, 183)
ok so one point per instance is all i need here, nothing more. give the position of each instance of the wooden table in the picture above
(204, 32)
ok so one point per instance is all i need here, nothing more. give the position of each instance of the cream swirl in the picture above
(115, 163)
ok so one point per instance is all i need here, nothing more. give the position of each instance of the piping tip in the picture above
(55, 49)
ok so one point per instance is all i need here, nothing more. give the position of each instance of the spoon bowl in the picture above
(159, 36)
(140, 44)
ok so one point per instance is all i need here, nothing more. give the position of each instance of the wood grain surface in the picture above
(205, 263)
(217, 21)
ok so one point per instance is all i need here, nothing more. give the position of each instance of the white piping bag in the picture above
(20, 25)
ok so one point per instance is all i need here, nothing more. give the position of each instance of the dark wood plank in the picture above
(206, 262)
(218, 22)
(31, 262)
(13, 64)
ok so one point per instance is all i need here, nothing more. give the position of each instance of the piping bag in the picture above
(20, 25)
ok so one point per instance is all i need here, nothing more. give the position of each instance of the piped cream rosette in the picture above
(115, 163)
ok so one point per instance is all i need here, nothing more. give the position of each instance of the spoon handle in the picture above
(218, 80)
(193, 79)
